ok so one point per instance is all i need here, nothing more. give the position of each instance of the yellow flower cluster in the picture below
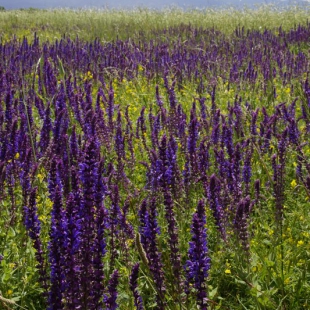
(228, 268)
(88, 76)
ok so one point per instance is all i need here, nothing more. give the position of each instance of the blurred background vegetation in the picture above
(108, 25)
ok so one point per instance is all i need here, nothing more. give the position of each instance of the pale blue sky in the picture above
(125, 4)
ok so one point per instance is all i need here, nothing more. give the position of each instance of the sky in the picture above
(129, 4)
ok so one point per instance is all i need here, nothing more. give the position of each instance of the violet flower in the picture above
(198, 263)
(71, 263)
(114, 219)
(193, 133)
(158, 99)
(98, 249)
(110, 301)
(241, 222)
(46, 130)
(133, 284)
(227, 139)
(149, 229)
(57, 235)
(203, 158)
(214, 198)
(110, 109)
(215, 135)
(89, 177)
(33, 227)
(247, 169)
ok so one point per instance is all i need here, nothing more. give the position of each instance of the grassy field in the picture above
(109, 25)
(155, 159)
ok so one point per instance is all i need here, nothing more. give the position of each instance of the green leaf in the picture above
(273, 291)
(6, 276)
(239, 281)
(11, 232)
(263, 300)
(212, 293)
(17, 298)
(267, 242)
(269, 263)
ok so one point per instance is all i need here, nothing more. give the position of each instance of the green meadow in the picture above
(175, 139)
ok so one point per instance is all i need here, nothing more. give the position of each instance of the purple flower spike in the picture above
(110, 301)
(149, 229)
(33, 226)
(213, 193)
(247, 169)
(110, 108)
(257, 190)
(198, 263)
(46, 130)
(99, 251)
(227, 139)
(32, 222)
(158, 99)
(241, 222)
(203, 158)
(215, 135)
(133, 284)
(193, 132)
(57, 234)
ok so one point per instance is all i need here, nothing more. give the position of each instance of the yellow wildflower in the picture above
(300, 243)
(40, 177)
(293, 183)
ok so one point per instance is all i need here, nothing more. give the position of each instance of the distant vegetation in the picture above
(109, 25)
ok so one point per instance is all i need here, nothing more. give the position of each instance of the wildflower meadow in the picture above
(160, 165)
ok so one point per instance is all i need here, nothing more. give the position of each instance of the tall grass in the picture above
(108, 24)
